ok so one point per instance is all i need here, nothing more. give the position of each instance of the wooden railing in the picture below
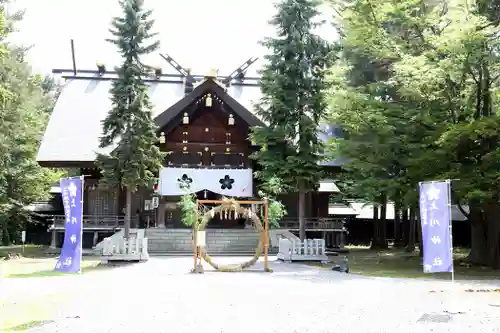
(314, 224)
(93, 221)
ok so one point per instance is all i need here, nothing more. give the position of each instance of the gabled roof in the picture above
(208, 85)
(73, 132)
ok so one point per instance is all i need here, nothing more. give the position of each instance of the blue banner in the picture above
(435, 217)
(71, 252)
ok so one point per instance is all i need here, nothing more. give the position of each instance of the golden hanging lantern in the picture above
(208, 101)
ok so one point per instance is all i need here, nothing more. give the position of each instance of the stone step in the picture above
(213, 245)
(223, 241)
(208, 250)
(209, 231)
(218, 239)
(209, 246)
(213, 254)
(207, 237)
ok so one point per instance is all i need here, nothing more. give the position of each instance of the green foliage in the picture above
(416, 93)
(129, 131)
(187, 205)
(24, 109)
(269, 191)
(418, 86)
(276, 211)
(293, 103)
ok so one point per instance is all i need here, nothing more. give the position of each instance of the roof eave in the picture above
(172, 112)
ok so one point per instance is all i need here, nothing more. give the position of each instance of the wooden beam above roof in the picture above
(183, 71)
(240, 71)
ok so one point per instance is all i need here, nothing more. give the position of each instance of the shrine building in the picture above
(203, 122)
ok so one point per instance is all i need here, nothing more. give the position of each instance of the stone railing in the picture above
(308, 250)
(133, 233)
(134, 249)
(314, 224)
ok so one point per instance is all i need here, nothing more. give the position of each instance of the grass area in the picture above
(28, 251)
(21, 315)
(34, 262)
(31, 309)
(398, 263)
(30, 268)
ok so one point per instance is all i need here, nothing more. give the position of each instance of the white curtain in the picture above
(229, 182)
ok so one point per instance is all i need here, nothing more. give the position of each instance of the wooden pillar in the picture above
(160, 212)
(342, 240)
(195, 238)
(53, 240)
(266, 242)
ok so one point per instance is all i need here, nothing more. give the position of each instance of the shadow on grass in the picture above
(28, 325)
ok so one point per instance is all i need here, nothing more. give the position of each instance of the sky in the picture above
(199, 34)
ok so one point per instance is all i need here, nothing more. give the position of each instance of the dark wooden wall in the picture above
(208, 140)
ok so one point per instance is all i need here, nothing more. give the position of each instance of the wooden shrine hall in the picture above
(203, 122)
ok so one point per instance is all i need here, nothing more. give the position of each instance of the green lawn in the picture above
(21, 315)
(35, 262)
(27, 311)
(28, 251)
(398, 263)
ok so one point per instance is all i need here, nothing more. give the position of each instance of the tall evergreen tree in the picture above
(293, 103)
(24, 110)
(128, 130)
(443, 79)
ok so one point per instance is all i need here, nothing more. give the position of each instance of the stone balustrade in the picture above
(308, 250)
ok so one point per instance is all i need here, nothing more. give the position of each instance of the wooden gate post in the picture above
(266, 241)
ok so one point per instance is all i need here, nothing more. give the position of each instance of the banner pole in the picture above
(82, 178)
(453, 300)
(448, 182)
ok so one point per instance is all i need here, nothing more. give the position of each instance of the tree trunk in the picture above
(128, 213)
(478, 250)
(492, 212)
(418, 226)
(406, 226)
(376, 229)
(6, 240)
(302, 212)
(383, 224)
(397, 223)
(410, 247)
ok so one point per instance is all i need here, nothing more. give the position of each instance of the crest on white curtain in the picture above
(228, 182)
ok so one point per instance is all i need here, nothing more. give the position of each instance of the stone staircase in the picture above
(219, 241)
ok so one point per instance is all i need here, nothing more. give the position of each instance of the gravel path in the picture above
(160, 296)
